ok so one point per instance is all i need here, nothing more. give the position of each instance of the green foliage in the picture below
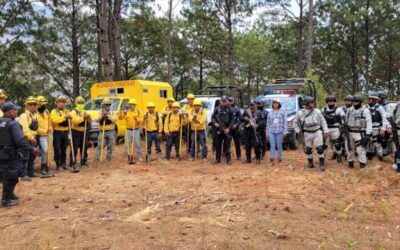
(350, 242)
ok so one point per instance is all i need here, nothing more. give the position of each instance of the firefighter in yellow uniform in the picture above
(106, 118)
(187, 109)
(133, 119)
(153, 127)
(30, 126)
(3, 99)
(59, 121)
(43, 134)
(166, 110)
(80, 120)
(198, 119)
(173, 123)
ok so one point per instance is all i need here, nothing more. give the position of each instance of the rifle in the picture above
(346, 132)
(222, 128)
(394, 134)
(253, 122)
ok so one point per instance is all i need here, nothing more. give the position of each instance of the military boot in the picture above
(322, 164)
(362, 165)
(310, 163)
(351, 164)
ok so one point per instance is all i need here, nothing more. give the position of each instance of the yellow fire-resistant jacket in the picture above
(109, 122)
(173, 122)
(201, 118)
(152, 122)
(44, 123)
(187, 108)
(164, 113)
(26, 119)
(58, 121)
(1, 113)
(129, 118)
(78, 120)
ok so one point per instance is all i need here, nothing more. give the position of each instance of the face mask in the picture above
(357, 106)
(331, 106)
(80, 107)
(348, 105)
(41, 109)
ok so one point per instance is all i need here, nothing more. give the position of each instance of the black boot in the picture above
(338, 158)
(362, 165)
(398, 168)
(351, 164)
(43, 169)
(322, 164)
(334, 157)
(380, 158)
(310, 163)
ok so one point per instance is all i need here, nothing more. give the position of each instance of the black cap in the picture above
(231, 99)
(349, 98)
(224, 98)
(309, 99)
(358, 98)
(330, 99)
(9, 106)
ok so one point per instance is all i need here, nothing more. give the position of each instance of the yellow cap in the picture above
(190, 96)
(106, 101)
(79, 100)
(171, 99)
(31, 100)
(151, 105)
(176, 105)
(197, 102)
(132, 101)
(41, 100)
(61, 98)
(3, 94)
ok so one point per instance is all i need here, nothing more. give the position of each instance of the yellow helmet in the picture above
(197, 102)
(151, 105)
(3, 94)
(30, 100)
(190, 96)
(171, 99)
(132, 101)
(106, 101)
(41, 100)
(176, 105)
(61, 98)
(79, 100)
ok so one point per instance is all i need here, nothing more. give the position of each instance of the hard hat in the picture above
(79, 100)
(197, 102)
(9, 106)
(171, 99)
(61, 98)
(349, 98)
(106, 101)
(176, 105)
(373, 95)
(330, 99)
(132, 101)
(151, 105)
(3, 94)
(31, 100)
(41, 100)
(190, 96)
(358, 98)
(308, 100)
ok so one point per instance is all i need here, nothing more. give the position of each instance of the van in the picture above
(119, 92)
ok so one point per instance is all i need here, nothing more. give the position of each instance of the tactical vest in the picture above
(356, 120)
(223, 116)
(6, 141)
(332, 118)
(310, 122)
(396, 116)
(375, 115)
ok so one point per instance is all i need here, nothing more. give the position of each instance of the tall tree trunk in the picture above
(310, 35)
(169, 40)
(231, 43)
(353, 56)
(367, 42)
(248, 84)
(75, 52)
(104, 40)
(115, 20)
(299, 41)
(201, 71)
(99, 73)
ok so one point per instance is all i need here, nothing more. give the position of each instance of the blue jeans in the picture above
(138, 147)
(276, 140)
(109, 140)
(42, 141)
(172, 140)
(201, 140)
(153, 136)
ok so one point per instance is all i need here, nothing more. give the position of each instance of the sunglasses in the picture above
(31, 105)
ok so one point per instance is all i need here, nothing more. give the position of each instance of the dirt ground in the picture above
(186, 205)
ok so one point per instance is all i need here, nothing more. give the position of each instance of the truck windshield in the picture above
(96, 104)
(288, 103)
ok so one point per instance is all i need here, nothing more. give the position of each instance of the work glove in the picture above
(366, 140)
(159, 136)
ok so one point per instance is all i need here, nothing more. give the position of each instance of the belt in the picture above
(131, 129)
(355, 131)
(310, 131)
(153, 131)
(333, 126)
(197, 131)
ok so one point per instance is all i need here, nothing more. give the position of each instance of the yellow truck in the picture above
(119, 92)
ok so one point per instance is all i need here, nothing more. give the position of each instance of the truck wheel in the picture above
(294, 143)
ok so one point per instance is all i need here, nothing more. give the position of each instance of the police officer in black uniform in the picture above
(13, 144)
(254, 122)
(235, 131)
(262, 129)
(222, 121)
